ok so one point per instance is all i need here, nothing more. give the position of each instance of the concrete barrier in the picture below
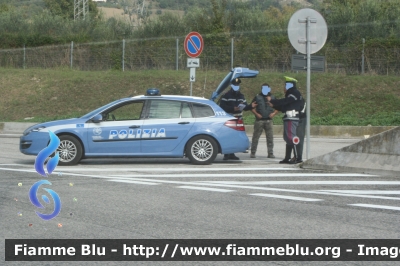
(333, 131)
(378, 154)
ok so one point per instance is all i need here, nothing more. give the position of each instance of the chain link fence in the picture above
(129, 55)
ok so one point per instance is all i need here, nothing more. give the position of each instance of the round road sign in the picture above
(193, 44)
(297, 30)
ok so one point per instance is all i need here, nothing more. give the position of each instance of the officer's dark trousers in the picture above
(289, 132)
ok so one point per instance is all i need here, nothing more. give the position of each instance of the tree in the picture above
(352, 20)
(218, 14)
(4, 8)
(65, 8)
(135, 9)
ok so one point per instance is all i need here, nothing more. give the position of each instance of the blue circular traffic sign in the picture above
(193, 44)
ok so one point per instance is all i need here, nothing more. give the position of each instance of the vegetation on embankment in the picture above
(52, 94)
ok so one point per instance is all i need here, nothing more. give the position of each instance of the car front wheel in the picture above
(201, 150)
(69, 150)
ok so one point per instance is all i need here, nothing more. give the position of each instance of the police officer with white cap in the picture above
(230, 102)
(291, 106)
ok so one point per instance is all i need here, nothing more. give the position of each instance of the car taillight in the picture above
(236, 124)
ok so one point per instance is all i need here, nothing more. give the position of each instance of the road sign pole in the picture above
(123, 55)
(232, 54)
(177, 54)
(193, 45)
(308, 84)
(192, 78)
(301, 40)
(362, 57)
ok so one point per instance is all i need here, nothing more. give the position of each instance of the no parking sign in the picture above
(193, 44)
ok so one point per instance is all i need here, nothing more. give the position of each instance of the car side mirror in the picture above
(97, 118)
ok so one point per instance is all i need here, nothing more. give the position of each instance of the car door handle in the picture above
(134, 126)
(183, 123)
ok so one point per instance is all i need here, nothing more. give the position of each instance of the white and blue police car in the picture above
(151, 125)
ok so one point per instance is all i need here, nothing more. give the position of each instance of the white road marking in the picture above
(333, 182)
(175, 169)
(357, 196)
(376, 206)
(133, 182)
(365, 192)
(250, 175)
(207, 189)
(262, 188)
(18, 170)
(285, 197)
(201, 183)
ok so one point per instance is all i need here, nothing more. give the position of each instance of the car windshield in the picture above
(98, 110)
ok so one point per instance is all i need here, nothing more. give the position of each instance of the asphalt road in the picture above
(172, 199)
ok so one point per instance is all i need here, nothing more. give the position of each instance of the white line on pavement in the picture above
(264, 188)
(333, 182)
(12, 164)
(207, 189)
(376, 206)
(175, 169)
(365, 192)
(199, 183)
(17, 170)
(248, 175)
(284, 197)
(133, 182)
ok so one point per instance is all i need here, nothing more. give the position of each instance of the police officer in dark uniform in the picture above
(291, 106)
(230, 102)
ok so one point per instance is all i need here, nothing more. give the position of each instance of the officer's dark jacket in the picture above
(293, 101)
(262, 107)
(230, 100)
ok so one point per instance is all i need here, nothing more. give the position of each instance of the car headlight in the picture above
(32, 129)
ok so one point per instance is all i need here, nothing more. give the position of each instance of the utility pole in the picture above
(81, 9)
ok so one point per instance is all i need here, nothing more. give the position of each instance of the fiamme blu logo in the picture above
(45, 153)
(50, 166)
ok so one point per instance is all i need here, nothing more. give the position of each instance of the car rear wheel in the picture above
(70, 150)
(201, 150)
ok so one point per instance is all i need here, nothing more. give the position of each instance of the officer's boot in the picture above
(287, 154)
(294, 161)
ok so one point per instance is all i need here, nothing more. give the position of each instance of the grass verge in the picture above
(50, 94)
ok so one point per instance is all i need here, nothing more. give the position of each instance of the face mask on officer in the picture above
(235, 88)
(289, 85)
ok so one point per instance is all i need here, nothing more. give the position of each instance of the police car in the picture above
(151, 125)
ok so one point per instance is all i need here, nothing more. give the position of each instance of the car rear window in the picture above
(202, 110)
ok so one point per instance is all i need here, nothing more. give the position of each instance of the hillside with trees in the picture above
(259, 29)
(74, 52)
(43, 22)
